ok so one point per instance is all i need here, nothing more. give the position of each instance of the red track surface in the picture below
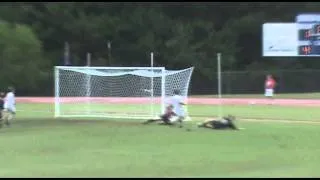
(202, 101)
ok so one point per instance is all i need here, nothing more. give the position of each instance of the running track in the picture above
(195, 101)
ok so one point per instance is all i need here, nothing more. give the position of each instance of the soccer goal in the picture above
(116, 92)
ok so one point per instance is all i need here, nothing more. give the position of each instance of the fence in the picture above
(233, 82)
(252, 82)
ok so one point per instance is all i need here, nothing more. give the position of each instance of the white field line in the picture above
(282, 121)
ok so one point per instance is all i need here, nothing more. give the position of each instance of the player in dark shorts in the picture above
(165, 118)
(2, 96)
(224, 123)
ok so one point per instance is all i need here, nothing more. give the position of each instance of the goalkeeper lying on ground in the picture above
(224, 123)
(165, 118)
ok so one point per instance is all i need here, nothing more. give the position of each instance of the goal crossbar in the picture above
(104, 68)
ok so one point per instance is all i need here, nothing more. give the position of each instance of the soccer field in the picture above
(39, 146)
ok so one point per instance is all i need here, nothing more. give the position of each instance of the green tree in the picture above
(22, 64)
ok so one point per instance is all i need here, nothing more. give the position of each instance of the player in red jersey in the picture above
(165, 118)
(269, 86)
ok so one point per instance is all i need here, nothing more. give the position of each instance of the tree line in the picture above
(32, 37)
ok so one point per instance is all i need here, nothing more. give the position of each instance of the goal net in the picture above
(116, 92)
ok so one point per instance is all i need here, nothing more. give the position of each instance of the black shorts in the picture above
(220, 125)
(165, 118)
(1, 104)
(1, 110)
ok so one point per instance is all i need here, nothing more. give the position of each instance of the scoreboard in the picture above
(304, 34)
(308, 26)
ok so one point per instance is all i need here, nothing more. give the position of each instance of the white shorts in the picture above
(174, 119)
(268, 92)
(180, 112)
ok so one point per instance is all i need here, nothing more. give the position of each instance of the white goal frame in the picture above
(57, 98)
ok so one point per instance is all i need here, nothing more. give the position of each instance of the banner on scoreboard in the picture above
(280, 39)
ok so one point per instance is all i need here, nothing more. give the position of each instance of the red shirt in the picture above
(270, 83)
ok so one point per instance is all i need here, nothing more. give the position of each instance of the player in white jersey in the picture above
(177, 102)
(9, 106)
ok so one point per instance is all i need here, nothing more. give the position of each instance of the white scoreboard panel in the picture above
(280, 39)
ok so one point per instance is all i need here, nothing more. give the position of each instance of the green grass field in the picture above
(36, 145)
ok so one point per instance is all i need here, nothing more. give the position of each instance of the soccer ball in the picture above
(252, 103)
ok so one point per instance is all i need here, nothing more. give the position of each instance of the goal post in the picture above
(116, 92)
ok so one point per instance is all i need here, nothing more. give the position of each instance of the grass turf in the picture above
(38, 146)
(197, 111)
